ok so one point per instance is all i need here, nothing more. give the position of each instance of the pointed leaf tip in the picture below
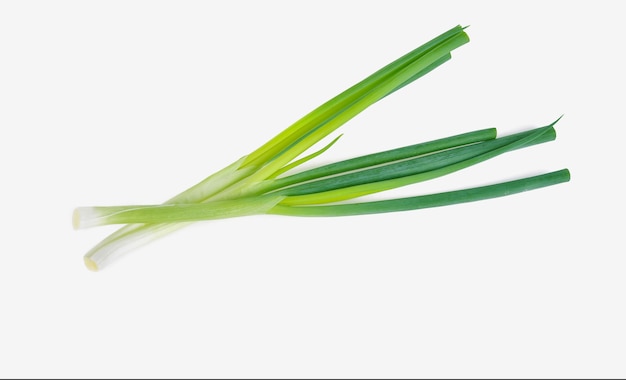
(556, 121)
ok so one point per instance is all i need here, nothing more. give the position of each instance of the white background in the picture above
(105, 103)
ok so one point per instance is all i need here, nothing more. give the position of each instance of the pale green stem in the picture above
(135, 235)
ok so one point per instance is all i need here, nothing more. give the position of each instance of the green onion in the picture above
(262, 182)
(463, 156)
(207, 211)
(358, 97)
(426, 201)
(384, 176)
(381, 158)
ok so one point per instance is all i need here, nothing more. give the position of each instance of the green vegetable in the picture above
(261, 183)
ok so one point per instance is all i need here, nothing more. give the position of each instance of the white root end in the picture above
(84, 217)
(76, 219)
(91, 265)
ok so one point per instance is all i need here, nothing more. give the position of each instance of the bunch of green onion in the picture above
(261, 183)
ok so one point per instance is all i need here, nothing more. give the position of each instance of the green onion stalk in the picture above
(264, 182)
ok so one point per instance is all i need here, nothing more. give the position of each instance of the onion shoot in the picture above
(264, 182)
